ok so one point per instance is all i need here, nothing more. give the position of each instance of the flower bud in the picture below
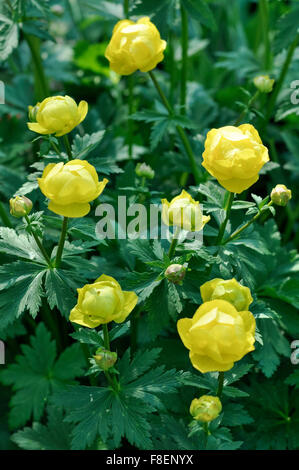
(144, 171)
(32, 112)
(280, 195)
(264, 83)
(205, 408)
(105, 359)
(57, 9)
(20, 206)
(175, 273)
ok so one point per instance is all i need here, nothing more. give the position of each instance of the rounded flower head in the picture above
(105, 359)
(234, 156)
(176, 273)
(217, 335)
(239, 296)
(135, 46)
(184, 212)
(20, 206)
(102, 302)
(57, 115)
(70, 187)
(263, 83)
(280, 195)
(206, 408)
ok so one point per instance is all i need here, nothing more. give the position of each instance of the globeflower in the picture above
(135, 46)
(57, 115)
(234, 156)
(102, 302)
(184, 212)
(206, 408)
(20, 206)
(70, 187)
(239, 296)
(217, 335)
(280, 195)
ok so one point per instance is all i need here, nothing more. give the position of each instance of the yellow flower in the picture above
(229, 290)
(70, 187)
(102, 302)
(183, 211)
(135, 46)
(57, 115)
(280, 195)
(217, 335)
(206, 408)
(234, 156)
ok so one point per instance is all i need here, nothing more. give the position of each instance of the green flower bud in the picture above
(175, 273)
(105, 359)
(144, 171)
(20, 206)
(206, 408)
(280, 195)
(57, 10)
(32, 112)
(264, 83)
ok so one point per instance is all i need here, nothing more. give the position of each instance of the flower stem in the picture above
(206, 431)
(67, 147)
(4, 216)
(220, 384)
(61, 242)
(184, 70)
(240, 230)
(264, 14)
(179, 129)
(41, 84)
(38, 242)
(224, 223)
(174, 243)
(126, 8)
(112, 380)
(106, 336)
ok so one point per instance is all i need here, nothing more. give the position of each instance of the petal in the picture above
(183, 326)
(76, 316)
(101, 186)
(70, 210)
(35, 127)
(110, 279)
(82, 109)
(207, 289)
(206, 364)
(238, 185)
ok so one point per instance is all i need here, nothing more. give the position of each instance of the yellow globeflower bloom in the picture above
(70, 187)
(217, 335)
(102, 302)
(135, 46)
(230, 290)
(57, 115)
(206, 408)
(234, 156)
(184, 212)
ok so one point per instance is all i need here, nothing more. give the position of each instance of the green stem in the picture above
(281, 78)
(184, 70)
(126, 8)
(38, 242)
(61, 242)
(134, 331)
(131, 110)
(224, 223)
(67, 146)
(171, 65)
(264, 13)
(240, 230)
(179, 129)
(245, 110)
(4, 216)
(55, 147)
(106, 336)
(206, 431)
(41, 84)
(174, 243)
(220, 384)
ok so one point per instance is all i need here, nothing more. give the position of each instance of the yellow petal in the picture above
(76, 316)
(206, 364)
(70, 210)
(82, 109)
(35, 127)
(183, 326)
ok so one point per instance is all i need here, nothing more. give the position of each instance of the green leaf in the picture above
(82, 146)
(59, 290)
(22, 246)
(200, 10)
(235, 415)
(53, 436)
(9, 37)
(35, 374)
(287, 29)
